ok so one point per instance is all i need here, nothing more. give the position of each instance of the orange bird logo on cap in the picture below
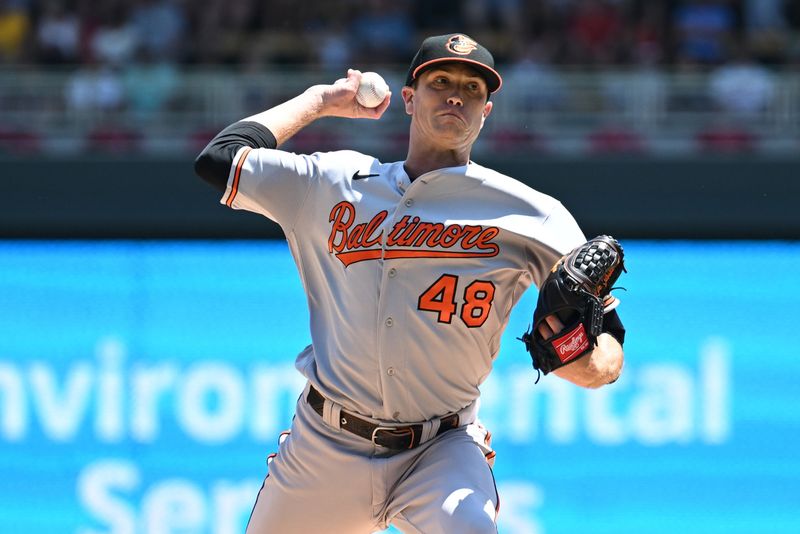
(461, 44)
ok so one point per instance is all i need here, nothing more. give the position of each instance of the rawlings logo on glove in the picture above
(572, 345)
(577, 292)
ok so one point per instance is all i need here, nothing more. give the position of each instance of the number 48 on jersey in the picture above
(442, 298)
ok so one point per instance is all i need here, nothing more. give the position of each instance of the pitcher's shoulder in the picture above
(512, 187)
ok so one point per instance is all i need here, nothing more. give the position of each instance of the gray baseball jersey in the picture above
(409, 284)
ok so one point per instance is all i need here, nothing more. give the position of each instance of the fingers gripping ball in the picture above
(575, 290)
(372, 90)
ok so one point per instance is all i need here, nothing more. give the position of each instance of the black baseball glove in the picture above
(577, 291)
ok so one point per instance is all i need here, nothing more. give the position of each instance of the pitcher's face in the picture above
(448, 106)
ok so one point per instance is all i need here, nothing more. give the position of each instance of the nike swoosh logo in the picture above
(357, 176)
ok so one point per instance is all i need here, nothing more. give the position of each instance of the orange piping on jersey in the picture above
(236, 175)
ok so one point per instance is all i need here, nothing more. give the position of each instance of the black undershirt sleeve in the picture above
(612, 324)
(214, 163)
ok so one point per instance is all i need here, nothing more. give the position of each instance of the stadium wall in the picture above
(701, 197)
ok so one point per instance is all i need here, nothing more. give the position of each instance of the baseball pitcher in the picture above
(411, 269)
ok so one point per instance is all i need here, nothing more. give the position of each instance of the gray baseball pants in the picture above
(327, 480)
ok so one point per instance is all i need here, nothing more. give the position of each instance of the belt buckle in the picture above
(396, 432)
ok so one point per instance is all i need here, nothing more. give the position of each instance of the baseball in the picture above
(372, 90)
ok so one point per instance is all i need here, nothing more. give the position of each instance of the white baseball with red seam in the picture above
(372, 90)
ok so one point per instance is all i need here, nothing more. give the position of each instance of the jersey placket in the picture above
(394, 305)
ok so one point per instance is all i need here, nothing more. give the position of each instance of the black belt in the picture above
(391, 437)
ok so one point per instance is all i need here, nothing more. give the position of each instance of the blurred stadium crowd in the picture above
(580, 32)
(133, 56)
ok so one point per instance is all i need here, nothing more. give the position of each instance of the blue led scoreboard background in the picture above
(143, 384)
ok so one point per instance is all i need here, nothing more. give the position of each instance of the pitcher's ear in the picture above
(408, 99)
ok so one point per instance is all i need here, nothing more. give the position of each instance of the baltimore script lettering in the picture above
(410, 237)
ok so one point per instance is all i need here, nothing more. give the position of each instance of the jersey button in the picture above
(409, 202)
(392, 272)
(390, 371)
(389, 321)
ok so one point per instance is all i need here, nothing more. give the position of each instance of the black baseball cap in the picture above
(455, 47)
